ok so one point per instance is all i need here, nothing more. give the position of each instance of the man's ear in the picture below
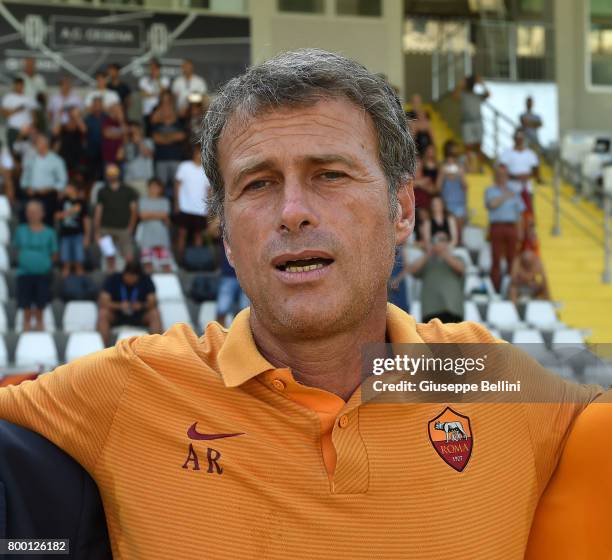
(404, 224)
(228, 252)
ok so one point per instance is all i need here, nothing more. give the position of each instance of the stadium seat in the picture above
(5, 208)
(36, 350)
(5, 263)
(412, 253)
(568, 336)
(173, 312)
(4, 358)
(479, 288)
(495, 333)
(464, 255)
(415, 311)
(531, 342)
(83, 343)
(80, 316)
(3, 320)
(127, 332)
(206, 314)
(5, 234)
(167, 287)
(471, 312)
(48, 320)
(504, 316)
(4, 292)
(484, 259)
(542, 315)
(527, 336)
(473, 238)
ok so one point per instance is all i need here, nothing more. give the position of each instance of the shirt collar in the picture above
(239, 359)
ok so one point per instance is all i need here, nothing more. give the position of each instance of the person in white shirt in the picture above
(523, 165)
(150, 87)
(186, 84)
(61, 103)
(190, 195)
(34, 84)
(109, 97)
(17, 108)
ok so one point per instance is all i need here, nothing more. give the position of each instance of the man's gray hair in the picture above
(302, 78)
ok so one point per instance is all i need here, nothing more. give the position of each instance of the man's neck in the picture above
(331, 363)
(37, 226)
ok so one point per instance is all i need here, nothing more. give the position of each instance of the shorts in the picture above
(33, 290)
(122, 240)
(121, 319)
(471, 132)
(71, 249)
(457, 209)
(156, 256)
(193, 223)
(230, 294)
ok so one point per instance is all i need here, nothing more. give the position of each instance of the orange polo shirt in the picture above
(202, 449)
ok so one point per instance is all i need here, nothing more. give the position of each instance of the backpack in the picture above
(201, 259)
(204, 288)
(77, 287)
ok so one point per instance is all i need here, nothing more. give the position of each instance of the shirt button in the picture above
(344, 421)
(278, 385)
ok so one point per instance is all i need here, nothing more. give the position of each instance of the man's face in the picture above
(307, 217)
(42, 144)
(18, 86)
(112, 173)
(29, 66)
(519, 140)
(187, 68)
(501, 175)
(34, 213)
(101, 81)
(130, 279)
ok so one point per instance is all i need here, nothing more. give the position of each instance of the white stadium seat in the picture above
(127, 332)
(5, 234)
(415, 311)
(80, 316)
(542, 315)
(412, 253)
(463, 254)
(36, 350)
(173, 312)
(5, 263)
(568, 336)
(479, 288)
(473, 238)
(471, 312)
(504, 316)
(5, 208)
(206, 314)
(531, 342)
(4, 359)
(485, 260)
(3, 320)
(48, 320)
(167, 287)
(4, 292)
(527, 336)
(83, 343)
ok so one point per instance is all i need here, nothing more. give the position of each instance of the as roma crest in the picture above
(450, 434)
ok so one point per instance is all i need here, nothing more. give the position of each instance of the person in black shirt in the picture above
(128, 298)
(114, 82)
(74, 229)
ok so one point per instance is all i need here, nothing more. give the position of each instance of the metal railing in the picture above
(449, 65)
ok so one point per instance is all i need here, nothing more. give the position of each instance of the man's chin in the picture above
(304, 322)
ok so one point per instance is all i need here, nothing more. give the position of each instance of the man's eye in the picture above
(333, 175)
(257, 185)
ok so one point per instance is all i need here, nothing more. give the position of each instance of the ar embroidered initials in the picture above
(212, 456)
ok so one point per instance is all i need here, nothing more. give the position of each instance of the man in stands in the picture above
(528, 278)
(116, 215)
(256, 441)
(185, 84)
(34, 83)
(505, 208)
(114, 83)
(62, 103)
(128, 298)
(17, 108)
(93, 139)
(109, 96)
(36, 246)
(531, 123)
(150, 87)
(44, 176)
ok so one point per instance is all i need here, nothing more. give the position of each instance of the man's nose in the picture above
(296, 211)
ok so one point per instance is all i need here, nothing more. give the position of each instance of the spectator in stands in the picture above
(114, 83)
(439, 220)
(61, 104)
(128, 298)
(7, 165)
(36, 246)
(190, 194)
(109, 97)
(420, 126)
(186, 84)
(528, 279)
(169, 137)
(34, 84)
(116, 215)
(93, 143)
(531, 123)
(138, 159)
(198, 104)
(151, 87)
(396, 287)
(17, 108)
(72, 216)
(430, 163)
(453, 188)
(442, 276)
(70, 143)
(114, 133)
(471, 118)
(424, 187)
(523, 165)
(505, 208)
(152, 235)
(44, 176)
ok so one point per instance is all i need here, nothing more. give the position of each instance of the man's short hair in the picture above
(302, 78)
(133, 267)
(18, 80)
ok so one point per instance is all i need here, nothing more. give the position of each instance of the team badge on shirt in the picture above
(450, 434)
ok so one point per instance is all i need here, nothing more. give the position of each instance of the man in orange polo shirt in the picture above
(256, 442)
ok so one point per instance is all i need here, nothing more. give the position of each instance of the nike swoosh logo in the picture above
(192, 433)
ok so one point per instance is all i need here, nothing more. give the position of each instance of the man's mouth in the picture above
(304, 264)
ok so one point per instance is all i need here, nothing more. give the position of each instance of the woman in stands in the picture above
(452, 186)
(440, 220)
(420, 126)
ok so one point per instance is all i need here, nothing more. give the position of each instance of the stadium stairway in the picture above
(573, 260)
